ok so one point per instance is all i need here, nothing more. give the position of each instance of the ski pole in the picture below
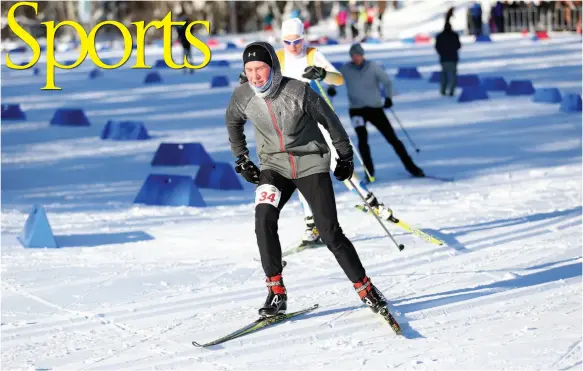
(400, 246)
(405, 131)
(325, 96)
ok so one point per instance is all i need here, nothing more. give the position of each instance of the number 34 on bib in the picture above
(267, 194)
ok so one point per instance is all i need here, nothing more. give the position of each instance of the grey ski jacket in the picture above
(285, 120)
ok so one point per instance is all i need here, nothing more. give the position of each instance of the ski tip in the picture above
(196, 344)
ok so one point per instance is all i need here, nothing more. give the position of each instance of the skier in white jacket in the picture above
(307, 63)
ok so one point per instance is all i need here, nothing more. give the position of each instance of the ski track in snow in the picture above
(133, 285)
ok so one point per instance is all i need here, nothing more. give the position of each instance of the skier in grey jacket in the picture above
(293, 154)
(362, 78)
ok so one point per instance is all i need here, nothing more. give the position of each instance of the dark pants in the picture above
(318, 191)
(377, 117)
(448, 77)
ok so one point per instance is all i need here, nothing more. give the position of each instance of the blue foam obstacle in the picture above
(220, 175)
(152, 77)
(435, 76)
(12, 112)
(337, 65)
(483, 39)
(408, 40)
(160, 63)
(219, 81)
(473, 93)
(181, 154)
(219, 63)
(125, 130)
(37, 232)
(494, 83)
(230, 45)
(70, 117)
(169, 190)
(467, 80)
(95, 73)
(408, 73)
(520, 87)
(547, 95)
(571, 103)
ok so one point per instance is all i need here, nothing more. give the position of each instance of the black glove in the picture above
(331, 91)
(242, 78)
(344, 169)
(247, 168)
(388, 103)
(314, 73)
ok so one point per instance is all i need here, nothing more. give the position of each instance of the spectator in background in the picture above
(341, 19)
(370, 15)
(447, 44)
(476, 17)
(268, 21)
(186, 48)
(354, 23)
(498, 17)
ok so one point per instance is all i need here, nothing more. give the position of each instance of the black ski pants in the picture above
(376, 116)
(273, 191)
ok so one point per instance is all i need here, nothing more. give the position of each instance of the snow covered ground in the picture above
(132, 285)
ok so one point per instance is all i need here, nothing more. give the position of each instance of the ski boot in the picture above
(383, 212)
(311, 234)
(370, 295)
(276, 301)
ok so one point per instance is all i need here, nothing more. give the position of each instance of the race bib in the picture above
(357, 121)
(267, 194)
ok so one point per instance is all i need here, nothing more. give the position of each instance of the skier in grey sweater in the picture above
(293, 154)
(362, 78)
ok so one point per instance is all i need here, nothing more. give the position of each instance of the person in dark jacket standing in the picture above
(293, 154)
(186, 47)
(362, 78)
(447, 45)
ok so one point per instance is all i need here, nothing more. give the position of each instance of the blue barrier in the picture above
(152, 77)
(70, 117)
(408, 73)
(220, 175)
(219, 63)
(219, 81)
(467, 80)
(435, 76)
(520, 87)
(181, 154)
(473, 93)
(337, 65)
(483, 39)
(95, 73)
(494, 83)
(547, 95)
(12, 112)
(160, 63)
(571, 103)
(37, 232)
(169, 190)
(125, 130)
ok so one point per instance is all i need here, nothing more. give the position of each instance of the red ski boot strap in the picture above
(363, 288)
(275, 284)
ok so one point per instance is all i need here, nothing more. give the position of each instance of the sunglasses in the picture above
(293, 42)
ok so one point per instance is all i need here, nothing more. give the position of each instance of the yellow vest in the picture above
(281, 56)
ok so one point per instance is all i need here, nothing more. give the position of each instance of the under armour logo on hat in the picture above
(257, 52)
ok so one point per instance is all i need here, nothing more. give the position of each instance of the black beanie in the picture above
(257, 53)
